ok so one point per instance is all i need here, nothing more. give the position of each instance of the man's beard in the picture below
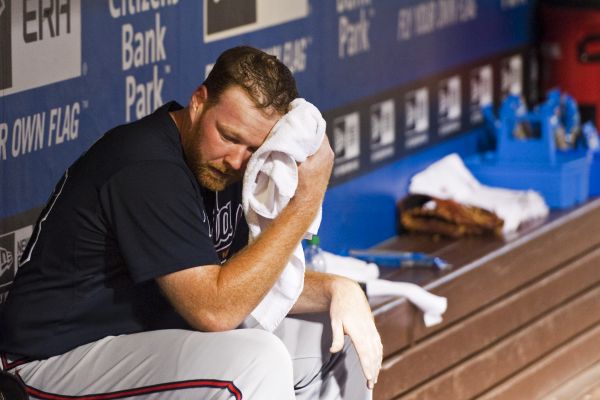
(215, 176)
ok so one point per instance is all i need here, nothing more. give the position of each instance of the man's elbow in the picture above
(215, 322)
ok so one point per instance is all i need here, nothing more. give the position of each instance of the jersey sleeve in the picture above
(157, 216)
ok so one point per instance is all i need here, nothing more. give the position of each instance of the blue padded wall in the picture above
(400, 84)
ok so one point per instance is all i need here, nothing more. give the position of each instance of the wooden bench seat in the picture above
(523, 313)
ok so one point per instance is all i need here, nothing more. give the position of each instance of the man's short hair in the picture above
(268, 82)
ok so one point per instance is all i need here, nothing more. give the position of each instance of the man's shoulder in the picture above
(154, 137)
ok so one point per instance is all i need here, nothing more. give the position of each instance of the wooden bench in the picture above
(523, 313)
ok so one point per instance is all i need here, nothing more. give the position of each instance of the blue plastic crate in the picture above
(562, 184)
(561, 177)
(539, 149)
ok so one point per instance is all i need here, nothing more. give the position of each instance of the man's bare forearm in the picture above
(250, 274)
(215, 297)
(316, 295)
(220, 297)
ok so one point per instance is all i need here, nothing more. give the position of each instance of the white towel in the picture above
(433, 306)
(270, 181)
(350, 267)
(449, 178)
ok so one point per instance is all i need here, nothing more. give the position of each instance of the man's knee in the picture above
(266, 351)
(242, 350)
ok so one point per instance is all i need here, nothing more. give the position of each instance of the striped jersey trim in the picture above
(163, 387)
(7, 365)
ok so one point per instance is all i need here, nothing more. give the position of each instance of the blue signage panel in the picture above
(392, 77)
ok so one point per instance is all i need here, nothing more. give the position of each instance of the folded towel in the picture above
(350, 267)
(433, 306)
(270, 181)
(449, 178)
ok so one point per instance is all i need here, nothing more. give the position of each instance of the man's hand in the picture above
(351, 315)
(313, 176)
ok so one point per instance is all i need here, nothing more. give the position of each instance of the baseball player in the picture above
(137, 281)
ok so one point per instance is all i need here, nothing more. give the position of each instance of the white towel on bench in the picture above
(433, 306)
(449, 178)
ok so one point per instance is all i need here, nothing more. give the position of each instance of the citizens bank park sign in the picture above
(391, 77)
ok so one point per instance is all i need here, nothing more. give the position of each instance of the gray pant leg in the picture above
(180, 364)
(318, 374)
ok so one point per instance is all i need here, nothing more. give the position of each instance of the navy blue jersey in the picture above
(126, 212)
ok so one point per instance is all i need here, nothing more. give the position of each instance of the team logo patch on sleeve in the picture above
(12, 246)
(7, 261)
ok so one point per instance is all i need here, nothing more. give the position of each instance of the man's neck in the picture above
(179, 117)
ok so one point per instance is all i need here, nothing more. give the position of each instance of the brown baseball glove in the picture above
(426, 214)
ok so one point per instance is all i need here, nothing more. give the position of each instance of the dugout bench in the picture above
(523, 313)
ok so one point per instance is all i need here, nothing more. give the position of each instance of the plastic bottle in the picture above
(313, 254)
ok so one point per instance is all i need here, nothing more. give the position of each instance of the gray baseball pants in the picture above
(292, 363)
